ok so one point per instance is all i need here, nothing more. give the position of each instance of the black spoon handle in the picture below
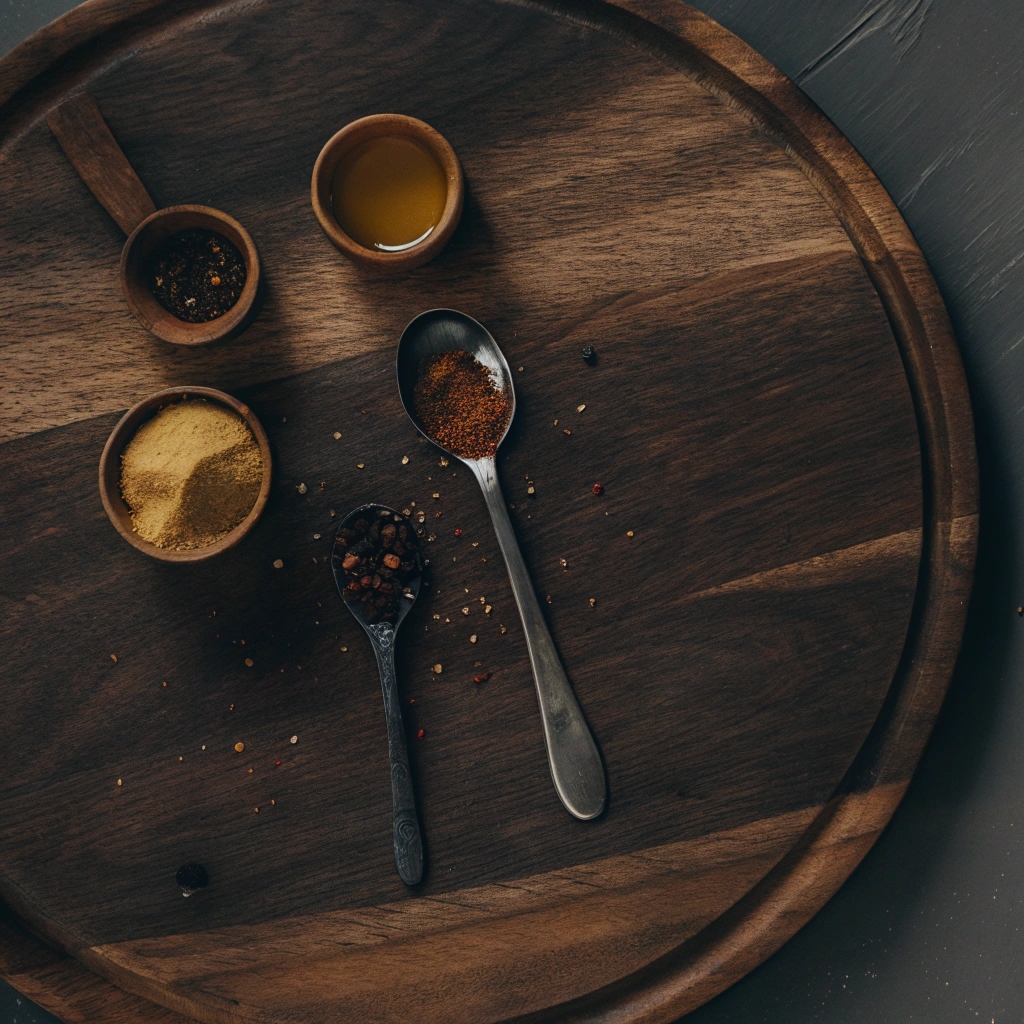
(408, 843)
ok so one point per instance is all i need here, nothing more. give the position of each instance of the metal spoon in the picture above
(576, 768)
(408, 843)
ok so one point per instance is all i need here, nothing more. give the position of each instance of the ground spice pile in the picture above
(379, 555)
(459, 405)
(197, 275)
(190, 475)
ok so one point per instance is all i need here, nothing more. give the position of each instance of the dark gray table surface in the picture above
(931, 92)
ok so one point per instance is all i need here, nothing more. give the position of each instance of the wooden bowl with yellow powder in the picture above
(185, 474)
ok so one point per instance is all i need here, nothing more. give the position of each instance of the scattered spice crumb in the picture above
(165, 682)
(119, 782)
(420, 734)
(204, 746)
(503, 629)
(520, 369)
(250, 771)
(405, 460)
(435, 495)
(556, 423)
(563, 563)
(113, 658)
(248, 662)
(549, 599)
(316, 536)
(1020, 609)
(629, 533)
(273, 803)
(472, 639)
(443, 463)
(437, 667)
(482, 678)
(598, 488)
(458, 533)
(487, 609)
(360, 465)
(567, 433)
(465, 611)
(344, 649)
(277, 764)
(294, 739)
(301, 488)
(337, 435)
(593, 601)
(239, 747)
(580, 408)
(278, 563)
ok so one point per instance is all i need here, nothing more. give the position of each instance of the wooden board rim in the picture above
(786, 899)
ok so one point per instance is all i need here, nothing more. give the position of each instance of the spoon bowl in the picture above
(576, 768)
(446, 330)
(359, 549)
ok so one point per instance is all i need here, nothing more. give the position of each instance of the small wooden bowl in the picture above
(135, 259)
(372, 127)
(110, 472)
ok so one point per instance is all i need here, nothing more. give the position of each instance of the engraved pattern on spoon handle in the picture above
(576, 767)
(407, 839)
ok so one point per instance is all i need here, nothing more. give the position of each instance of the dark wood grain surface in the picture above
(777, 414)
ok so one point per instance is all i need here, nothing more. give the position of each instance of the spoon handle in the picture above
(576, 768)
(408, 843)
(93, 151)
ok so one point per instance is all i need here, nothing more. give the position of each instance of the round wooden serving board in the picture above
(778, 413)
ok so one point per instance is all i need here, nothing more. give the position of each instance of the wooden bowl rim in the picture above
(164, 324)
(375, 126)
(109, 471)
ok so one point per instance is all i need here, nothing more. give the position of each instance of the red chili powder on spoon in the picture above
(459, 405)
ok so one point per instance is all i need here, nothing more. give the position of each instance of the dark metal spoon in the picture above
(408, 843)
(576, 768)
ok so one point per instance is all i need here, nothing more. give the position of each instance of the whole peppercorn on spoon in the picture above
(377, 568)
(441, 334)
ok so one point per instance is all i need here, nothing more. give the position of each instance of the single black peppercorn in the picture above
(589, 354)
(191, 878)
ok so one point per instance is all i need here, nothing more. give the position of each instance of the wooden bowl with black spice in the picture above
(189, 273)
(175, 236)
(253, 479)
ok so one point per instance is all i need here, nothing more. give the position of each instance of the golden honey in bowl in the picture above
(389, 193)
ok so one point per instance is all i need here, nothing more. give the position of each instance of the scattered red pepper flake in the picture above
(482, 678)
(458, 533)
(598, 488)
(420, 734)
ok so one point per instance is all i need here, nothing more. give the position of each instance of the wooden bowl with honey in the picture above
(388, 192)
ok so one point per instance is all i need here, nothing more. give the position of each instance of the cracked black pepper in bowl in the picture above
(197, 275)
(379, 555)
